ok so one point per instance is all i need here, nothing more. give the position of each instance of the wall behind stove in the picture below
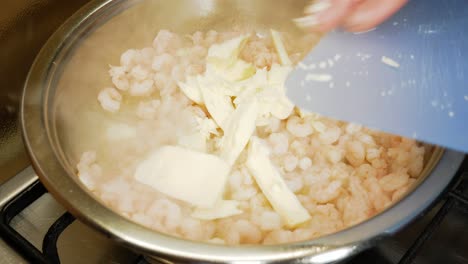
(25, 25)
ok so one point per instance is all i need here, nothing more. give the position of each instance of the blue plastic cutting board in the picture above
(426, 97)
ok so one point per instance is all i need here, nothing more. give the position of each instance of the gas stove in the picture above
(35, 228)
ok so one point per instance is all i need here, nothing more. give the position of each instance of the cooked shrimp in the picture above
(110, 99)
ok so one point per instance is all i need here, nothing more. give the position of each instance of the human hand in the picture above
(354, 15)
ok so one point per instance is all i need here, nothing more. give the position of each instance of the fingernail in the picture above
(317, 6)
(306, 22)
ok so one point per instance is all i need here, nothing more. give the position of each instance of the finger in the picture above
(369, 14)
(333, 16)
(324, 15)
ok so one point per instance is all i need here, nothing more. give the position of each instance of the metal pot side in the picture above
(69, 69)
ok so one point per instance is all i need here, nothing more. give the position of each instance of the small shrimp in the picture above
(87, 158)
(112, 190)
(357, 208)
(130, 58)
(303, 234)
(365, 171)
(319, 126)
(377, 196)
(309, 204)
(278, 237)
(166, 41)
(248, 232)
(211, 38)
(142, 88)
(367, 139)
(373, 154)
(178, 73)
(163, 63)
(341, 172)
(355, 153)
(88, 170)
(330, 135)
(355, 211)
(119, 77)
(263, 59)
(353, 128)
(297, 127)
(299, 146)
(164, 83)
(416, 167)
(197, 53)
(270, 220)
(258, 202)
(192, 229)
(139, 72)
(168, 213)
(290, 162)
(253, 48)
(402, 191)
(148, 110)
(305, 163)
(323, 193)
(147, 55)
(381, 166)
(334, 154)
(279, 142)
(357, 190)
(295, 184)
(400, 158)
(110, 99)
(417, 161)
(197, 38)
(394, 181)
(244, 193)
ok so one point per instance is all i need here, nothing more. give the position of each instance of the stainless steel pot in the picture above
(70, 68)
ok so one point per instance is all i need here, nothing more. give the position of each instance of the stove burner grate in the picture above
(49, 255)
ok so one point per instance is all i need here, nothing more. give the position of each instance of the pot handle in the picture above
(17, 184)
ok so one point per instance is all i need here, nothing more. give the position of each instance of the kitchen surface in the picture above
(34, 228)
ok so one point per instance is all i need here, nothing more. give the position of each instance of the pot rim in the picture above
(39, 141)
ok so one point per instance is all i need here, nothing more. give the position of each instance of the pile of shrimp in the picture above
(342, 173)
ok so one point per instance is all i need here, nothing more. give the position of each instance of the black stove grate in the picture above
(453, 197)
(412, 252)
(49, 255)
(13, 238)
(49, 246)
